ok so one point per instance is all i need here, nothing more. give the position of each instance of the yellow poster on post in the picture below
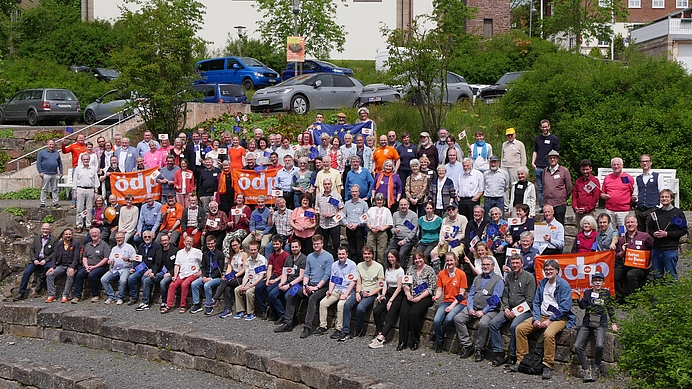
(295, 49)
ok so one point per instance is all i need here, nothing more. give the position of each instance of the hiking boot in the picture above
(305, 333)
(479, 355)
(20, 297)
(499, 359)
(284, 328)
(466, 352)
(547, 373)
(337, 334)
(438, 347)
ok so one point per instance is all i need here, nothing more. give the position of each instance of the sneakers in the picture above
(511, 360)
(226, 313)
(119, 302)
(42, 206)
(208, 311)
(466, 352)
(19, 297)
(305, 333)
(64, 299)
(547, 373)
(142, 307)
(132, 302)
(75, 300)
(345, 337)
(337, 334)
(162, 306)
(280, 321)
(376, 343)
(587, 375)
(320, 331)
(211, 304)
(95, 299)
(263, 315)
(57, 206)
(196, 308)
(51, 299)
(250, 317)
(479, 355)
(239, 315)
(284, 328)
(108, 301)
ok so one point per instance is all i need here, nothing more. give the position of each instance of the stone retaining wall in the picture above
(181, 346)
(21, 373)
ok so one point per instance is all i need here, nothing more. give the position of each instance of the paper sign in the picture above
(407, 279)
(366, 131)
(287, 270)
(339, 216)
(381, 284)
(521, 308)
(211, 223)
(138, 258)
(277, 193)
(364, 217)
(260, 269)
(462, 134)
(588, 188)
(474, 241)
(163, 136)
(229, 276)
(236, 212)
(515, 221)
(154, 175)
(539, 231)
(511, 251)
(637, 258)
(447, 229)
(84, 213)
(186, 175)
(223, 151)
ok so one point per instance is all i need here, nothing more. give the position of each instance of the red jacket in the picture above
(586, 193)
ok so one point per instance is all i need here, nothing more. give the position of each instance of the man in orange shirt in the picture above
(451, 286)
(171, 215)
(76, 149)
(383, 153)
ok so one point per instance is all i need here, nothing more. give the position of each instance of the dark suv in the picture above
(41, 105)
(495, 92)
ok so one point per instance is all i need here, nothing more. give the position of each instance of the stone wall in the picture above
(20, 373)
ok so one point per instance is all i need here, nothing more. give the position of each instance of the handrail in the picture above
(85, 129)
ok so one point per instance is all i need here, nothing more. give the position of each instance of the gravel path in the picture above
(422, 368)
(116, 370)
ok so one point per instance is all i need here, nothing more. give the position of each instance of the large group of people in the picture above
(395, 226)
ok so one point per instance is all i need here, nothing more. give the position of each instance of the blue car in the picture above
(245, 71)
(220, 93)
(315, 66)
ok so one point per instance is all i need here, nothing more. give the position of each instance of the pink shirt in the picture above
(299, 218)
(620, 189)
(154, 159)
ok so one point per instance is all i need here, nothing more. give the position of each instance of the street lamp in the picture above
(296, 11)
(241, 33)
(531, 11)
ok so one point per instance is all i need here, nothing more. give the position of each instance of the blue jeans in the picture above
(495, 336)
(121, 276)
(164, 284)
(31, 269)
(147, 283)
(361, 308)
(260, 289)
(208, 286)
(539, 184)
(664, 261)
(444, 320)
(275, 297)
(132, 284)
(94, 278)
(490, 202)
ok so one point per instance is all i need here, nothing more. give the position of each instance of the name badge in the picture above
(555, 177)
(337, 280)
(521, 186)
(386, 151)
(547, 141)
(215, 174)
(420, 288)
(595, 295)
(639, 242)
(260, 269)
(409, 150)
(485, 292)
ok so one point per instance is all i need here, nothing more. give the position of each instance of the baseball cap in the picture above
(510, 131)
(422, 134)
(553, 153)
(493, 158)
(598, 274)
(341, 115)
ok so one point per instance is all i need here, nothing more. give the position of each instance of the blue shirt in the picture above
(143, 147)
(363, 179)
(318, 267)
(150, 216)
(342, 271)
(49, 162)
(263, 223)
(284, 179)
(497, 291)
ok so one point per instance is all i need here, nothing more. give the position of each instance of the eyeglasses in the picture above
(645, 161)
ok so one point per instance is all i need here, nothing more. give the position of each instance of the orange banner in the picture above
(137, 184)
(577, 269)
(637, 258)
(253, 184)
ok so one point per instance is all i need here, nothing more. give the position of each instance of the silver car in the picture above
(105, 106)
(309, 91)
(41, 105)
(457, 90)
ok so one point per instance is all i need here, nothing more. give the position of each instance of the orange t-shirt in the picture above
(451, 285)
(76, 149)
(382, 154)
(235, 156)
(170, 216)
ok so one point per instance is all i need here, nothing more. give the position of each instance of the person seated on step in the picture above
(143, 265)
(64, 261)
(213, 265)
(39, 253)
(342, 283)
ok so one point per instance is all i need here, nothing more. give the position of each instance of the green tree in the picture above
(7, 26)
(583, 19)
(258, 49)
(158, 59)
(423, 56)
(316, 22)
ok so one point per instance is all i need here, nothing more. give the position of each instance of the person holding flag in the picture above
(666, 225)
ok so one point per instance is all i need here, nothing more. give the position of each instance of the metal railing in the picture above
(84, 130)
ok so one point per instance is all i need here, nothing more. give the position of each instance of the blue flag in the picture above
(420, 288)
(309, 214)
(237, 129)
(164, 270)
(259, 168)
(257, 218)
(314, 153)
(211, 129)
(69, 130)
(678, 221)
(455, 243)
(460, 298)
(555, 311)
(493, 300)
(294, 289)
(260, 269)
(339, 130)
(410, 225)
(333, 201)
(214, 265)
(229, 276)
(336, 280)
(141, 267)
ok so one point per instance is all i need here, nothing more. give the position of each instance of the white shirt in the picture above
(549, 298)
(380, 217)
(188, 262)
(469, 184)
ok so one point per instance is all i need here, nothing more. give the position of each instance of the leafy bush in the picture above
(6, 133)
(4, 158)
(16, 211)
(22, 194)
(44, 136)
(604, 109)
(655, 336)
(48, 218)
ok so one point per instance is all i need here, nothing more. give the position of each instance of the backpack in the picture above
(532, 363)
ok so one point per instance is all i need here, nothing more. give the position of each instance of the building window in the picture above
(681, 3)
(635, 3)
(367, 1)
(658, 4)
(487, 28)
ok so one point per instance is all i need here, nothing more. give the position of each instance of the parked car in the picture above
(41, 105)
(379, 94)
(106, 105)
(220, 93)
(315, 66)
(309, 91)
(245, 71)
(476, 89)
(102, 74)
(495, 92)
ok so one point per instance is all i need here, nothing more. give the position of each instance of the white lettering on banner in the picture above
(258, 183)
(581, 271)
(139, 182)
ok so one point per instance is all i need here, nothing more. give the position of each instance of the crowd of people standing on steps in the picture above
(395, 227)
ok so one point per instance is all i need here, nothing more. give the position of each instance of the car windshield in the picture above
(251, 62)
(299, 80)
(231, 90)
(60, 95)
(507, 78)
(326, 64)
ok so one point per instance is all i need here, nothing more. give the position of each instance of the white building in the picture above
(362, 20)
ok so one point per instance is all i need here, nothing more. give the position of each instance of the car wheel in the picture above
(32, 118)
(357, 104)
(300, 105)
(89, 117)
(463, 98)
(248, 84)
